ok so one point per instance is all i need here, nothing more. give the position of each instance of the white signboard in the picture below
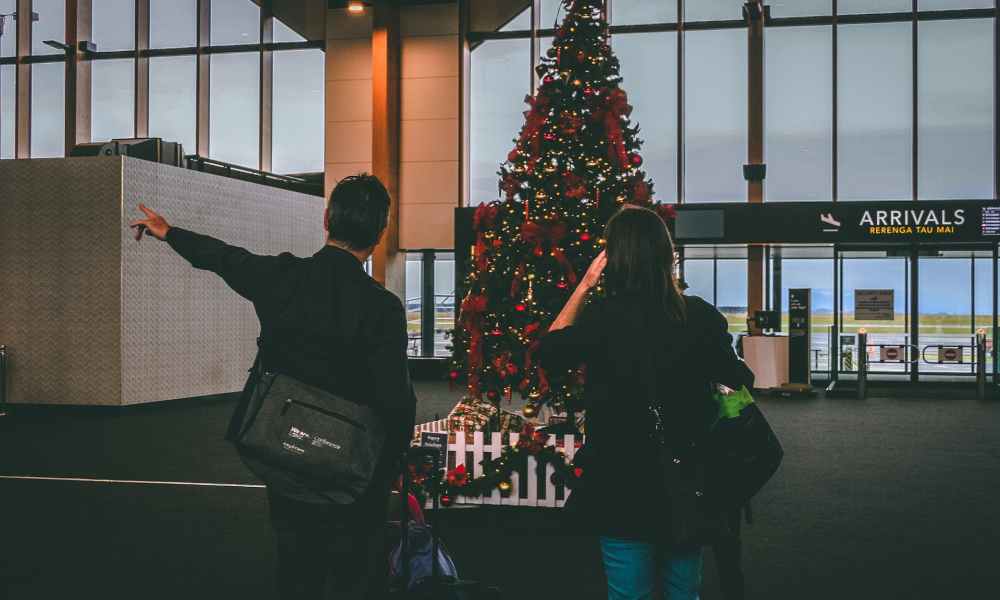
(873, 305)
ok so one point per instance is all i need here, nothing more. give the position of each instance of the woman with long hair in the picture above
(644, 344)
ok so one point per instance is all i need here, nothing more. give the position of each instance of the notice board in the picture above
(873, 305)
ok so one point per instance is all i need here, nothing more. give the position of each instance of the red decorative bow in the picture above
(617, 107)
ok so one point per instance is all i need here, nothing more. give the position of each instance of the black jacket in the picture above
(633, 354)
(325, 322)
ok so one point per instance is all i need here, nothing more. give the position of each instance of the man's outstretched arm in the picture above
(245, 272)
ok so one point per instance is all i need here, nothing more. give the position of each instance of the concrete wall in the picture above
(93, 317)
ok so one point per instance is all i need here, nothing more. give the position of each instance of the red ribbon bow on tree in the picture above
(617, 106)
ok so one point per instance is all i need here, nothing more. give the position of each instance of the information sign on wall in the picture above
(873, 305)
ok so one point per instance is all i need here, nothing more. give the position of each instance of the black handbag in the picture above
(742, 454)
(296, 433)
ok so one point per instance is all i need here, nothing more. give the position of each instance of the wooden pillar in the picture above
(78, 78)
(142, 68)
(22, 98)
(266, 85)
(388, 263)
(203, 77)
(754, 12)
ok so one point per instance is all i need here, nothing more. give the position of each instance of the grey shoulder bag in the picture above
(299, 432)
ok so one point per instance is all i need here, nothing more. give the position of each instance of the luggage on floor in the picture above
(421, 568)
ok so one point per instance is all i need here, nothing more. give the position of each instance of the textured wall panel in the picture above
(184, 332)
(59, 274)
(93, 317)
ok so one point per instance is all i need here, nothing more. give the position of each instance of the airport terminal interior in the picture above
(828, 169)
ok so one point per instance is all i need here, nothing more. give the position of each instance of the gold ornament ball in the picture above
(504, 486)
(529, 410)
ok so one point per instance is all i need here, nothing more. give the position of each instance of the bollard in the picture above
(980, 364)
(862, 365)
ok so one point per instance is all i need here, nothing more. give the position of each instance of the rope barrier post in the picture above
(980, 364)
(862, 364)
(3, 380)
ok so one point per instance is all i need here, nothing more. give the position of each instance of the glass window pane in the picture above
(875, 112)
(500, 73)
(639, 12)
(799, 113)
(48, 110)
(8, 82)
(732, 292)
(715, 106)
(521, 22)
(51, 25)
(552, 13)
(112, 99)
(414, 288)
(649, 75)
(713, 10)
(298, 109)
(955, 109)
(444, 301)
(699, 277)
(234, 109)
(8, 41)
(173, 23)
(849, 7)
(499, 16)
(284, 33)
(953, 4)
(173, 100)
(984, 295)
(235, 22)
(800, 8)
(113, 23)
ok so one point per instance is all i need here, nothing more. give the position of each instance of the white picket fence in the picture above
(530, 487)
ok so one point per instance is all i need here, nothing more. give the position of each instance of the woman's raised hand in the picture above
(593, 275)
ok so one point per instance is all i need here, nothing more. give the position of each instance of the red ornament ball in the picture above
(446, 500)
(538, 251)
(453, 375)
(578, 472)
(497, 242)
(581, 56)
(584, 236)
(635, 159)
(561, 285)
(588, 91)
(492, 395)
(549, 136)
(520, 308)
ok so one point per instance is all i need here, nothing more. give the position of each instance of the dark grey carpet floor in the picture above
(886, 498)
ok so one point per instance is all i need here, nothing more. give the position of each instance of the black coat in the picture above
(325, 322)
(632, 354)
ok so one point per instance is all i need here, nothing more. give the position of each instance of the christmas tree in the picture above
(574, 164)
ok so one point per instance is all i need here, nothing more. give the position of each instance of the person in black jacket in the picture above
(642, 342)
(325, 322)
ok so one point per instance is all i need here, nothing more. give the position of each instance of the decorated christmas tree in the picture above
(575, 162)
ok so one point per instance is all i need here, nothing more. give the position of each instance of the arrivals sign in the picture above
(873, 305)
(843, 222)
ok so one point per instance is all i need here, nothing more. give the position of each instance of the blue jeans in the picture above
(632, 568)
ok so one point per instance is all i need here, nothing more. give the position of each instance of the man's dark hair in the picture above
(358, 211)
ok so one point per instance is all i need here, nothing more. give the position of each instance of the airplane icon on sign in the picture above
(830, 220)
